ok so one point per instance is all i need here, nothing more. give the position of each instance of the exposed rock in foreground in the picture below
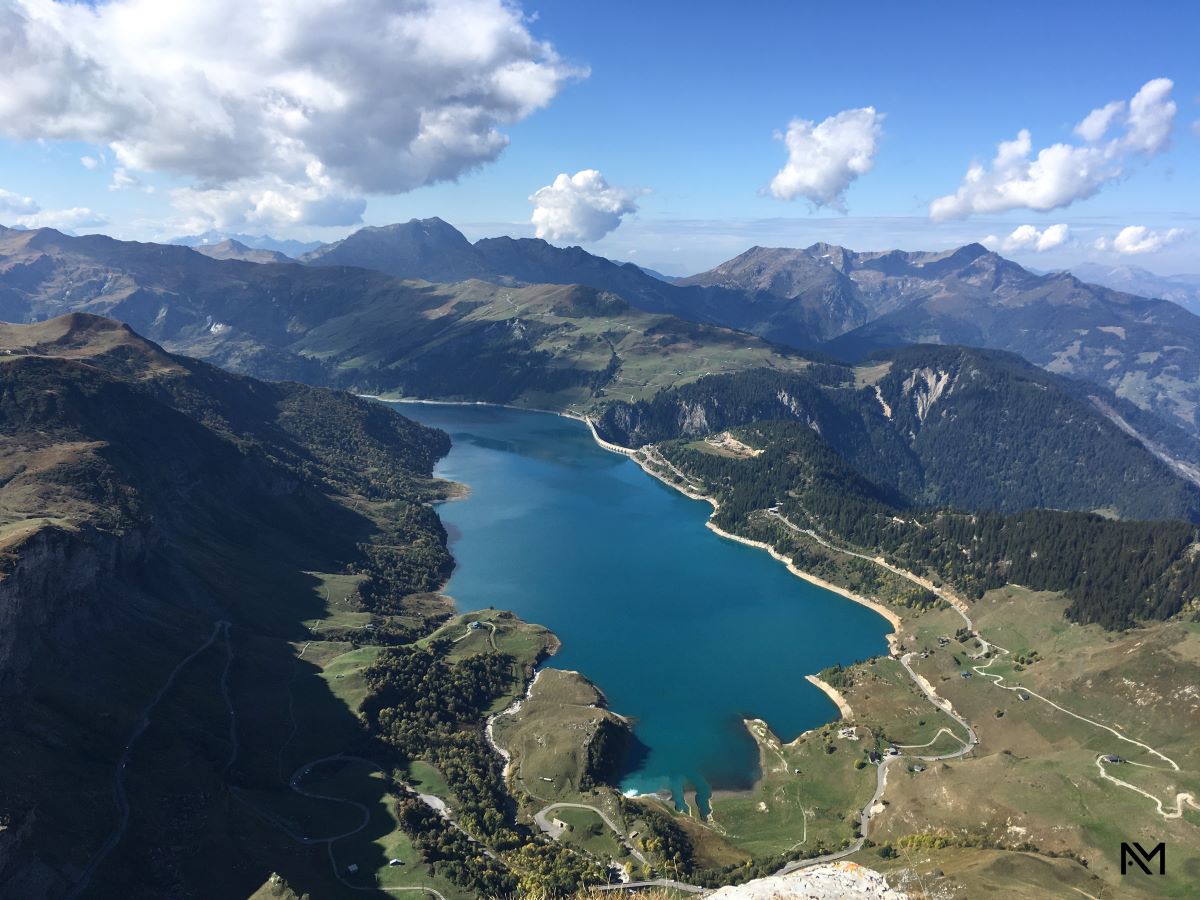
(831, 881)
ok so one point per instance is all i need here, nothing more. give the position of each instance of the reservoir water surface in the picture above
(684, 631)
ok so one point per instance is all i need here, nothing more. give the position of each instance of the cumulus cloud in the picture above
(299, 106)
(89, 162)
(69, 220)
(1063, 173)
(1134, 239)
(15, 205)
(268, 202)
(1096, 123)
(1028, 237)
(580, 207)
(824, 159)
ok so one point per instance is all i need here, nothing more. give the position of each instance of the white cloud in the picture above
(68, 220)
(580, 207)
(375, 96)
(1134, 239)
(1063, 173)
(1096, 123)
(90, 163)
(824, 159)
(1028, 237)
(267, 203)
(15, 205)
(122, 179)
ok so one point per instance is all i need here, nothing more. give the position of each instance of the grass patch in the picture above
(425, 779)
(587, 832)
(806, 797)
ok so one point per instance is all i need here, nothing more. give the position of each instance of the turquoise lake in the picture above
(684, 631)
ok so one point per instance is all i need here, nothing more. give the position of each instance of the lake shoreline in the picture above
(874, 605)
(833, 694)
(891, 617)
(638, 456)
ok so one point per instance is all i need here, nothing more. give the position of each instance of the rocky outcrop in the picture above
(48, 582)
(830, 881)
(926, 386)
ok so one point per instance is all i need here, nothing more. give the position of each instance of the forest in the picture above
(1113, 572)
(976, 430)
(422, 705)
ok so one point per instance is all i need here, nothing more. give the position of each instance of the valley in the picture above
(494, 450)
(1002, 518)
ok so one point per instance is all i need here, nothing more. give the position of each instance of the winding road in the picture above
(869, 810)
(944, 705)
(997, 680)
(470, 630)
(122, 798)
(329, 840)
(555, 832)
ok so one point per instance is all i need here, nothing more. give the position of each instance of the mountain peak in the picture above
(431, 249)
(432, 225)
(961, 256)
(413, 231)
(231, 248)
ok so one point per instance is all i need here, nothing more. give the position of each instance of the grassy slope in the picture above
(362, 329)
(541, 346)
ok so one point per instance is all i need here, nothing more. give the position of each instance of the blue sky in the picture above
(680, 105)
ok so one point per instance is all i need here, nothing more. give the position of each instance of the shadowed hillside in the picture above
(164, 531)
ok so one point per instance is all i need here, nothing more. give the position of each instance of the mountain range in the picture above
(363, 329)
(1181, 289)
(849, 304)
(174, 537)
(280, 320)
(288, 247)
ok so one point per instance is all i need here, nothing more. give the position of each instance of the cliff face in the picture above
(47, 586)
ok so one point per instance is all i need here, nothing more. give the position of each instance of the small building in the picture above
(918, 768)
(476, 625)
(352, 869)
(965, 674)
(395, 862)
(1111, 758)
(893, 751)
